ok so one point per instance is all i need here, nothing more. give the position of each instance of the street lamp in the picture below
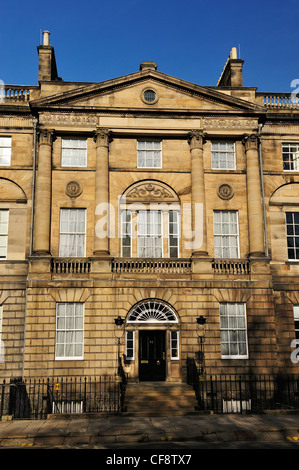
(200, 330)
(119, 332)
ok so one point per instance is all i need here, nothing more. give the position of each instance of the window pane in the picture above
(5, 151)
(292, 229)
(233, 330)
(72, 241)
(226, 234)
(69, 330)
(223, 155)
(149, 154)
(290, 156)
(74, 152)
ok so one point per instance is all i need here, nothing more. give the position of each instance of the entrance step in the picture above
(160, 399)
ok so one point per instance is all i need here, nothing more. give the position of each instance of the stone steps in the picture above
(160, 399)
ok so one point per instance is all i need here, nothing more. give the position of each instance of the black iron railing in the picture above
(37, 398)
(243, 393)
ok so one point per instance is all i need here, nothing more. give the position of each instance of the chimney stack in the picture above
(232, 75)
(146, 65)
(47, 69)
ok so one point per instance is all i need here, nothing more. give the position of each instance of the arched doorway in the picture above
(153, 339)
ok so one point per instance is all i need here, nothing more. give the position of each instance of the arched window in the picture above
(152, 311)
(150, 221)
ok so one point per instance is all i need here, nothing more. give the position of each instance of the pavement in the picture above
(125, 431)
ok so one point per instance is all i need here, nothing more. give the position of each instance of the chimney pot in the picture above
(46, 38)
(233, 54)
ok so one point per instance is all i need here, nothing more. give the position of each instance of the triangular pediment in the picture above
(127, 92)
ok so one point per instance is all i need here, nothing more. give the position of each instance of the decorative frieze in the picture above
(69, 120)
(231, 124)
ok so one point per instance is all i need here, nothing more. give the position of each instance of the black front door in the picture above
(152, 364)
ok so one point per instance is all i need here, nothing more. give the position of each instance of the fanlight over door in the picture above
(152, 311)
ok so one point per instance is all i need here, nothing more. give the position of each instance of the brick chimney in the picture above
(47, 69)
(232, 75)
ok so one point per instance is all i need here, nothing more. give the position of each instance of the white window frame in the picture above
(65, 331)
(174, 357)
(293, 236)
(69, 234)
(149, 236)
(4, 233)
(71, 145)
(133, 219)
(127, 232)
(216, 154)
(146, 151)
(177, 224)
(291, 161)
(1, 321)
(233, 329)
(223, 235)
(5, 151)
(130, 345)
(296, 320)
(1, 342)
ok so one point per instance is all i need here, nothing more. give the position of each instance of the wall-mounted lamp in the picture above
(118, 321)
(119, 332)
(201, 321)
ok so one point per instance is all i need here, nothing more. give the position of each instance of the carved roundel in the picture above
(225, 191)
(73, 189)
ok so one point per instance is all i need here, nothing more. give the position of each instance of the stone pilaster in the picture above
(254, 197)
(196, 141)
(42, 209)
(102, 139)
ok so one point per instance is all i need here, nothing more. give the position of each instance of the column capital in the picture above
(102, 137)
(46, 136)
(251, 142)
(196, 139)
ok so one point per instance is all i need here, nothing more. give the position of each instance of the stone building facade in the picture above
(168, 204)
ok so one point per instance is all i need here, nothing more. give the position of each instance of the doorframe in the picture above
(173, 369)
(162, 332)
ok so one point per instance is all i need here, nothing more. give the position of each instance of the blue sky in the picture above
(188, 39)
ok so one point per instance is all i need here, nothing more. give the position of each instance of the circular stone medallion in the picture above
(225, 191)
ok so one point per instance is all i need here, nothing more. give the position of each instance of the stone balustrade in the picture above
(14, 94)
(168, 266)
(70, 265)
(149, 266)
(279, 100)
(231, 266)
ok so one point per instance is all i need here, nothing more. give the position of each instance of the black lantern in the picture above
(118, 321)
(201, 320)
